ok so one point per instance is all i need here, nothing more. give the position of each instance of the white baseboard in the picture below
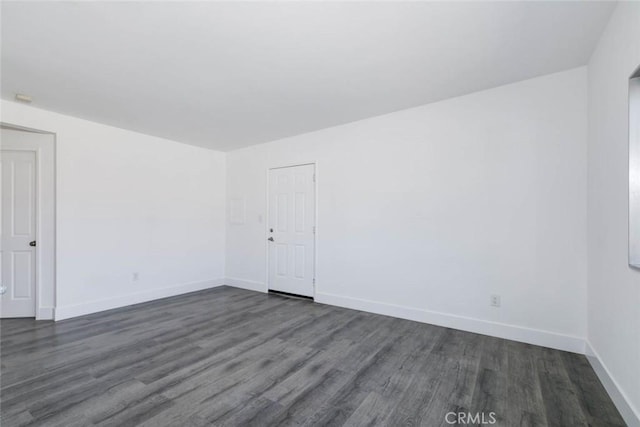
(630, 414)
(246, 284)
(484, 327)
(66, 312)
(45, 313)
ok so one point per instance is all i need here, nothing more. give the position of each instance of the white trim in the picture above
(291, 165)
(250, 285)
(630, 414)
(69, 311)
(484, 327)
(45, 313)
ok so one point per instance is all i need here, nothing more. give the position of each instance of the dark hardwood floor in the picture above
(232, 357)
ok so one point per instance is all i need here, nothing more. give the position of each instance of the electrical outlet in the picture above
(495, 301)
(135, 277)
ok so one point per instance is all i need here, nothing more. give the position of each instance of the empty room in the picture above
(320, 213)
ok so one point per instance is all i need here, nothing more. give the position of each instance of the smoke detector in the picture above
(23, 98)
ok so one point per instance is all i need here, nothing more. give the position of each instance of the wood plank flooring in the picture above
(232, 357)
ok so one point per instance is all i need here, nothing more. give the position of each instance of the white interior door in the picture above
(291, 232)
(18, 286)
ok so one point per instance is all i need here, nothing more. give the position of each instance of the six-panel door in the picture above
(291, 229)
(18, 229)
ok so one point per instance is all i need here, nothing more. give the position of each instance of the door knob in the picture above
(271, 239)
(32, 243)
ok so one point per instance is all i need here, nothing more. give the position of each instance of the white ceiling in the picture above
(225, 75)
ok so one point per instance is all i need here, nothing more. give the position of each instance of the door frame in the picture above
(315, 222)
(45, 152)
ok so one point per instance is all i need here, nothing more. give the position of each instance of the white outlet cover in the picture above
(495, 300)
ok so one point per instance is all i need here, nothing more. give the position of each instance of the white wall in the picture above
(128, 202)
(614, 287)
(426, 212)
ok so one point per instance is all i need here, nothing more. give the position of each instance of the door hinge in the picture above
(314, 280)
(314, 229)
(314, 177)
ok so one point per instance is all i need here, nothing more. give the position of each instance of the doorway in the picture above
(291, 229)
(27, 225)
